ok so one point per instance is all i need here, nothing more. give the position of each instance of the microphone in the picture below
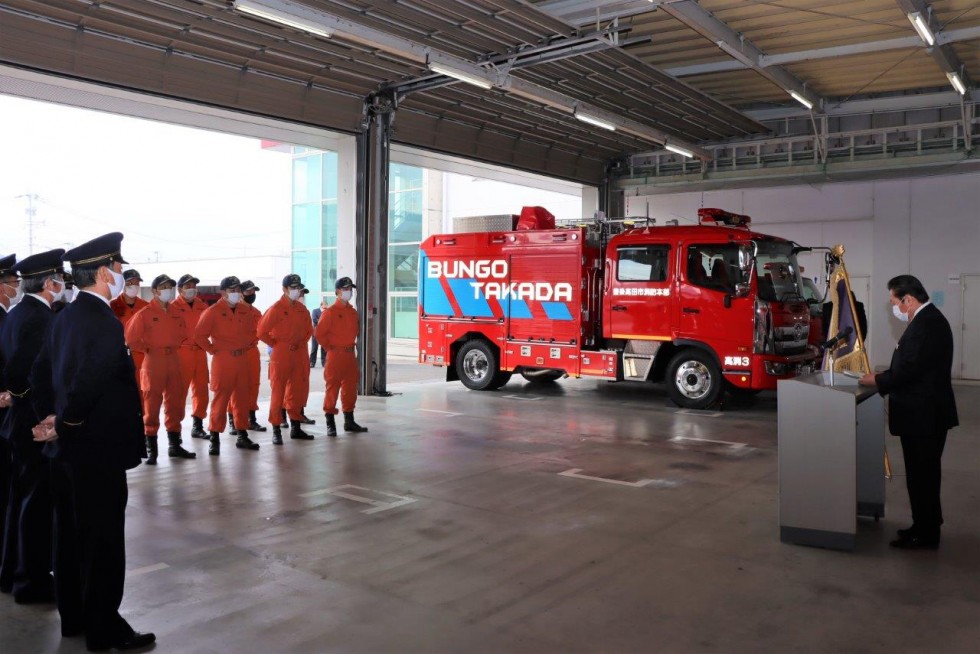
(841, 337)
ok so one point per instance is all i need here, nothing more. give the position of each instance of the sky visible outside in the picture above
(175, 192)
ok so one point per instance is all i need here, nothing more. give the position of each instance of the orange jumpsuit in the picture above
(287, 327)
(157, 333)
(337, 332)
(125, 313)
(193, 360)
(253, 360)
(227, 333)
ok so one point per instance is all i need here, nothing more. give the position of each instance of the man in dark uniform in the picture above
(21, 341)
(314, 344)
(9, 287)
(921, 405)
(94, 430)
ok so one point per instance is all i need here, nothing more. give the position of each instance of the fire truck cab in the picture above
(700, 307)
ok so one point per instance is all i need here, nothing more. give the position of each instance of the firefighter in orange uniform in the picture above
(337, 334)
(157, 332)
(193, 360)
(127, 305)
(254, 364)
(226, 331)
(287, 327)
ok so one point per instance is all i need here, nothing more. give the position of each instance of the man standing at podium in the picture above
(921, 405)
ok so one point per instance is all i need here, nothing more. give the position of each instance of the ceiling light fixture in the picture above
(922, 27)
(592, 120)
(680, 151)
(801, 99)
(957, 83)
(461, 76)
(274, 12)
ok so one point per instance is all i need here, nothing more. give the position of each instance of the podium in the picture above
(831, 459)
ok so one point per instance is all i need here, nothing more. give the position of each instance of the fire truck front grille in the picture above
(792, 339)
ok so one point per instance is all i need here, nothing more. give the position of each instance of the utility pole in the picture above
(31, 212)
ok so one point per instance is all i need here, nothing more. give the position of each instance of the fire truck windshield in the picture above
(778, 271)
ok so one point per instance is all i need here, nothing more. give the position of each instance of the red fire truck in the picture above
(700, 308)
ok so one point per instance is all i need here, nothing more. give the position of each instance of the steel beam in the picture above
(423, 55)
(942, 54)
(741, 49)
(942, 38)
(871, 106)
(584, 12)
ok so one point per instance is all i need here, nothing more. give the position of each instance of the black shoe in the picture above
(244, 442)
(35, 596)
(197, 431)
(916, 543)
(331, 426)
(285, 419)
(905, 534)
(296, 432)
(135, 641)
(152, 450)
(304, 420)
(176, 451)
(277, 435)
(214, 449)
(253, 424)
(312, 364)
(71, 630)
(350, 425)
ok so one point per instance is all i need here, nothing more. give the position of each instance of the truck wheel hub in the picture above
(475, 365)
(693, 379)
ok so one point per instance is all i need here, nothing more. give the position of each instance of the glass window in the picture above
(405, 317)
(405, 217)
(642, 263)
(404, 178)
(307, 177)
(306, 226)
(306, 264)
(715, 266)
(403, 267)
(328, 270)
(779, 273)
(329, 224)
(330, 175)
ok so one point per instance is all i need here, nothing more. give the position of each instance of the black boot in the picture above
(304, 420)
(197, 431)
(277, 435)
(285, 419)
(214, 449)
(176, 451)
(331, 426)
(244, 442)
(350, 425)
(253, 423)
(231, 423)
(296, 432)
(152, 451)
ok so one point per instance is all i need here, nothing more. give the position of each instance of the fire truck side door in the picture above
(638, 299)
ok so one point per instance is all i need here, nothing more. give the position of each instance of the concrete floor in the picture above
(492, 550)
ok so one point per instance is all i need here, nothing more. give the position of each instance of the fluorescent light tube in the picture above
(598, 122)
(922, 27)
(802, 100)
(272, 12)
(680, 151)
(461, 76)
(957, 83)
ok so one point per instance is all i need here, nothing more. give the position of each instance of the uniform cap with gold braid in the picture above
(41, 264)
(7, 264)
(99, 251)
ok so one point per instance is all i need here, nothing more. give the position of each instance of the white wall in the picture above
(929, 227)
(472, 196)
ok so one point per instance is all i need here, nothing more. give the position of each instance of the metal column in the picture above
(373, 149)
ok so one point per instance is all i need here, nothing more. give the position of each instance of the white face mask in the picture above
(294, 293)
(70, 295)
(346, 295)
(60, 293)
(18, 293)
(132, 291)
(117, 285)
(904, 317)
(189, 294)
(234, 298)
(166, 295)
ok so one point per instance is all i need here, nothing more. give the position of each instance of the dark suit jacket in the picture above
(316, 313)
(95, 400)
(3, 383)
(918, 383)
(20, 341)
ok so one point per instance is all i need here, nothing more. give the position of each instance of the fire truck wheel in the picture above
(500, 379)
(476, 365)
(542, 375)
(693, 379)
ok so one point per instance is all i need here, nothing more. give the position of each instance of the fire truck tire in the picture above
(693, 379)
(477, 366)
(500, 379)
(542, 375)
